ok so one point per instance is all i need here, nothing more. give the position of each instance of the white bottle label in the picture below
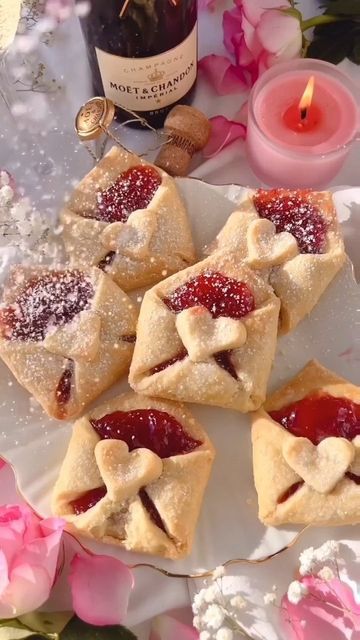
(148, 84)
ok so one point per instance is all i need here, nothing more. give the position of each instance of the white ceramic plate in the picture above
(228, 527)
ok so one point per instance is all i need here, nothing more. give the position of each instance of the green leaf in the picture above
(79, 630)
(14, 629)
(53, 622)
(334, 42)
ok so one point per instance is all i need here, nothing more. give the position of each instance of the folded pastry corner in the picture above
(127, 218)
(306, 451)
(66, 335)
(207, 335)
(294, 239)
(134, 474)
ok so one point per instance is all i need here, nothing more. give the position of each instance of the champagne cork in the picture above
(189, 131)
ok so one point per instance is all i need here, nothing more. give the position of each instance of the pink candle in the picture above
(295, 142)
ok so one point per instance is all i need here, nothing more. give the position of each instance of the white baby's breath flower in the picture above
(82, 9)
(4, 178)
(238, 602)
(219, 572)
(213, 616)
(199, 600)
(204, 635)
(307, 561)
(211, 594)
(269, 598)
(326, 574)
(197, 622)
(328, 551)
(224, 634)
(296, 592)
(6, 194)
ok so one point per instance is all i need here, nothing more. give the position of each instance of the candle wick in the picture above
(303, 113)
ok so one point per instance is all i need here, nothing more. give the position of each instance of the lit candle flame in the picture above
(306, 98)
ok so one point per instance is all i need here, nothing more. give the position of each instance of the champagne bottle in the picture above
(143, 54)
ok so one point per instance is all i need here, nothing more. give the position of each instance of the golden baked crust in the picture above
(162, 335)
(281, 459)
(298, 279)
(91, 345)
(175, 485)
(152, 243)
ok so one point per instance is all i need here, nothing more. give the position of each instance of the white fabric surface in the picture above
(154, 593)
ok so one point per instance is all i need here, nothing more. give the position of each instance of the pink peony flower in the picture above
(328, 611)
(29, 548)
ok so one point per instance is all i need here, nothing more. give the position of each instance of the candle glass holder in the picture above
(278, 164)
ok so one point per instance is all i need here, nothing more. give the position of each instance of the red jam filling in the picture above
(293, 212)
(146, 428)
(88, 500)
(63, 391)
(220, 295)
(107, 260)
(320, 416)
(151, 509)
(46, 301)
(134, 189)
(223, 359)
(167, 363)
(290, 491)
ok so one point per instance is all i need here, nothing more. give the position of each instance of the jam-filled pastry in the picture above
(306, 451)
(134, 474)
(207, 335)
(294, 239)
(127, 218)
(66, 335)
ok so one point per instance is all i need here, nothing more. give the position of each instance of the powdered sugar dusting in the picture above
(293, 211)
(134, 189)
(46, 301)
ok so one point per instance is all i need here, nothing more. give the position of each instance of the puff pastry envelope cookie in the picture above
(66, 335)
(127, 218)
(207, 335)
(306, 451)
(294, 238)
(134, 474)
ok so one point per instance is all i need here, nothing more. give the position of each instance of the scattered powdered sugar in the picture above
(46, 301)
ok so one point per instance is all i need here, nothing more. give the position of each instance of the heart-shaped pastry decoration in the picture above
(124, 472)
(355, 465)
(202, 335)
(266, 248)
(77, 340)
(133, 237)
(321, 466)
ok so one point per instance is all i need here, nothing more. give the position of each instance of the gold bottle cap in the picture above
(95, 116)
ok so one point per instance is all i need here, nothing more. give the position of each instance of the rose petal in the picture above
(224, 76)
(4, 580)
(100, 587)
(2, 463)
(165, 627)
(253, 9)
(223, 132)
(323, 613)
(29, 587)
(280, 34)
(232, 28)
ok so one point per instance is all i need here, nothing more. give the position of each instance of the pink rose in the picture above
(29, 549)
(257, 34)
(260, 33)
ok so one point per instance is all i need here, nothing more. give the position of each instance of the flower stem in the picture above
(317, 20)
